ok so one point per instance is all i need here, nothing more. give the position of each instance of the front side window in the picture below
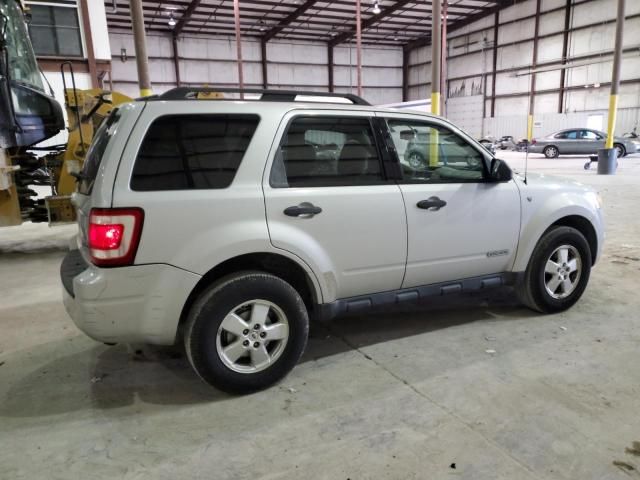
(187, 152)
(55, 31)
(589, 135)
(327, 151)
(434, 154)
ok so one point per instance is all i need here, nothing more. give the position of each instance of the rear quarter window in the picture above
(187, 152)
(96, 152)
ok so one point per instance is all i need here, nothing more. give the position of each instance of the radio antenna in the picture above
(526, 162)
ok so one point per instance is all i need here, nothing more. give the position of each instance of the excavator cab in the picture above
(27, 114)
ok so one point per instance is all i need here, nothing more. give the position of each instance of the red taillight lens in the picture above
(533, 141)
(113, 235)
(105, 237)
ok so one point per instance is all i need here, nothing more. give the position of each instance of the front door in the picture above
(459, 225)
(328, 202)
(590, 142)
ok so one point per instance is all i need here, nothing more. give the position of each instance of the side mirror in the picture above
(500, 171)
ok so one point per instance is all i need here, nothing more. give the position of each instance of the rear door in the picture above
(591, 142)
(328, 202)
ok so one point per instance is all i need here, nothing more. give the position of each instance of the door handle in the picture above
(431, 203)
(305, 208)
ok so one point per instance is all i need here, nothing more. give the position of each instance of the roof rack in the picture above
(186, 93)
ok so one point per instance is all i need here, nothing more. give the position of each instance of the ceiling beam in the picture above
(288, 19)
(500, 5)
(370, 21)
(185, 17)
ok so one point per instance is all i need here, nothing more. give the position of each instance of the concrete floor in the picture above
(401, 395)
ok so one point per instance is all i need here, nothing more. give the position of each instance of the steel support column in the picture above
(496, 24)
(91, 57)
(436, 53)
(436, 57)
(615, 76)
(358, 49)
(532, 89)
(405, 74)
(263, 63)
(140, 39)
(176, 58)
(565, 53)
(330, 67)
(443, 61)
(236, 16)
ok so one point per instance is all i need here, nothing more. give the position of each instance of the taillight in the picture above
(113, 235)
(533, 141)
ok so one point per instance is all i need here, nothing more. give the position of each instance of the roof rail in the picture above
(186, 93)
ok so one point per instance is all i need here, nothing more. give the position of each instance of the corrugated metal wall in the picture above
(298, 65)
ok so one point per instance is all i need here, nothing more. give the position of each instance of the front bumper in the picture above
(136, 304)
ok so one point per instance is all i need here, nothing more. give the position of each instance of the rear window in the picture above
(187, 152)
(96, 151)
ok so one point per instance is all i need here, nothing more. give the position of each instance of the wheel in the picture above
(620, 150)
(416, 161)
(558, 271)
(551, 152)
(246, 332)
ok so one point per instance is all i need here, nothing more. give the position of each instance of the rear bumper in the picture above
(137, 304)
(536, 148)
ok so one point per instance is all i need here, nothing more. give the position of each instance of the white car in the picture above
(226, 224)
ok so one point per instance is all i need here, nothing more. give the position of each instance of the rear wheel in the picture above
(551, 151)
(246, 332)
(558, 271)
(620, 150)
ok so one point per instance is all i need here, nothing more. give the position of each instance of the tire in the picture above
(246, 294)
(416, 161)
(532, 289)
(551, 151)
(621, 151)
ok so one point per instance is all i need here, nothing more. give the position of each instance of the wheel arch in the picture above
(624, 149)
(584, 226)
(284, 267)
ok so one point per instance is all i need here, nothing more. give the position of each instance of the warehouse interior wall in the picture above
(207, 60)
(584, 88)
(471, 98)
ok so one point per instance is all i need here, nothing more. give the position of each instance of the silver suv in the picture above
(227, 224)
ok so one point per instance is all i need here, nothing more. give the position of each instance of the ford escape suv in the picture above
(226, 223)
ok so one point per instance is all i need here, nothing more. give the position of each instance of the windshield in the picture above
(23, 67)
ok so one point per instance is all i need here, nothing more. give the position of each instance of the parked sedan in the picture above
(580, 141)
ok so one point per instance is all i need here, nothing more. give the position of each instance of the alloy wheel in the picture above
(252, 336)
(562, 272)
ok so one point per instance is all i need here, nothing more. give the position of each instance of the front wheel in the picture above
(551, 152)
(620, 150)
(558, 271)
(246, 332)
